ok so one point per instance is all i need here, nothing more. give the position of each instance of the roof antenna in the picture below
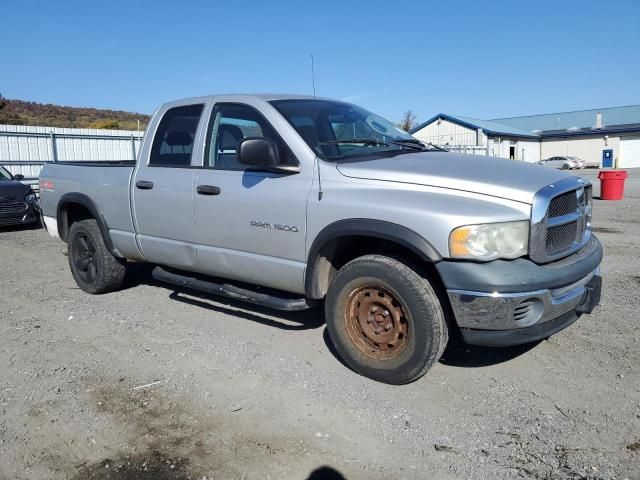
(313, 77)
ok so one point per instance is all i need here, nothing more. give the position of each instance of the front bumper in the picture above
(506, 312)
(20, 215)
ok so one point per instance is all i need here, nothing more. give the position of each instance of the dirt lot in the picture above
(150, 383)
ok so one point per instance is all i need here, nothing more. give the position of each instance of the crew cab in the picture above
(294, 202)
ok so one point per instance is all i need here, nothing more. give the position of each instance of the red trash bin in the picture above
(612, 184)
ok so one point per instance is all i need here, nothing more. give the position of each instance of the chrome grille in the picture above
(563, 204)
(560, 220)
(561, 237)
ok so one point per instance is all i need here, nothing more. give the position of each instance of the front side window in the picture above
(175, 137)
(229, 125)
(337, 130)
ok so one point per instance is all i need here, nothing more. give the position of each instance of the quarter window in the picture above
(175, 137)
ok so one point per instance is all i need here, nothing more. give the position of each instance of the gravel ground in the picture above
(149, 382)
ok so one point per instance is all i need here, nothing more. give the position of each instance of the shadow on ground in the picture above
(326, 473)
(461, 354)
(457, 354)
(140, 274)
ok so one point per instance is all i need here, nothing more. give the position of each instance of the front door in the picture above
(250, 225)
(163, 189)
(607, 158)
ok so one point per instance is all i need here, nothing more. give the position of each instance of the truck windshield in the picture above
(338, 130)
(4, 174)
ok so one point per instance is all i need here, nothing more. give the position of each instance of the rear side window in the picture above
(173, 143)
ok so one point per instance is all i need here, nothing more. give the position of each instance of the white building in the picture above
(609, 137)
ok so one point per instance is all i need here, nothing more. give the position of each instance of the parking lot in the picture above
(150, 382)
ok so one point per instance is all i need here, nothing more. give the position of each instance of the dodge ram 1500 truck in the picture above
(286, 201)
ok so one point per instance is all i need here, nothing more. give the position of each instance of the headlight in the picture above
(490, 241)
(31, 198)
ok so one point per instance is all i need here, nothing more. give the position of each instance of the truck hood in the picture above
(497, 177)
(13, 188)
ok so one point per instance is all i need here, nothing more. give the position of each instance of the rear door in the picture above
(162, 188)
(250, 225)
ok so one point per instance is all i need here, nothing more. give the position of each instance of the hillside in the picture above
(19, 112)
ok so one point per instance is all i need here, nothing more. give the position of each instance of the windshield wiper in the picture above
(415, 144)
(436, 147)
(419, 143)
(364, 141)
(408, 143)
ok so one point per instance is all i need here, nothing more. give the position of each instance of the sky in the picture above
(481, 59)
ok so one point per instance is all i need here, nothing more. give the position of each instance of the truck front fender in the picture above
(361, 227)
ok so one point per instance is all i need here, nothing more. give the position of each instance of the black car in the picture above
(18, 202)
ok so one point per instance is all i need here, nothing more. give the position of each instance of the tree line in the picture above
(20, 112)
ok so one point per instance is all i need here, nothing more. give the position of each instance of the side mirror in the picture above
(258, 152)
(18, 176)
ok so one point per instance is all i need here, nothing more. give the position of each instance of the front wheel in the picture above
(385, 320)
(93, 266)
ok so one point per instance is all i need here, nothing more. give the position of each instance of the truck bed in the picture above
(106, 183)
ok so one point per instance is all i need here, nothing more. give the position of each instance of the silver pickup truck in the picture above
(289, 201)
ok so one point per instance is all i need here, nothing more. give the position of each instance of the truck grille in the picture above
(563, 204)
(561, 237)
(560, 223)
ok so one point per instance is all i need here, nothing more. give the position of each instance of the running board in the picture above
(231, 291)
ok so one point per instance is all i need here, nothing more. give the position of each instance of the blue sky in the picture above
(484, 59)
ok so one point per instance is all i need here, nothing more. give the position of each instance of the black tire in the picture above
(94, 268)
(425, 333)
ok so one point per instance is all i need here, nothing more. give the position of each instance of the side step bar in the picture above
(231, 291)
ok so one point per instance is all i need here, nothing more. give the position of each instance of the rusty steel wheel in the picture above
(384, 319)
(376, 322)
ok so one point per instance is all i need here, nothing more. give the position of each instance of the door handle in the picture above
(208, 190)
(144, 185)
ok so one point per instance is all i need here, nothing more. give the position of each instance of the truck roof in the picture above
(240, 97)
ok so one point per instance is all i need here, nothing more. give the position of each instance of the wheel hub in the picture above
(83, 251)
(377, 322)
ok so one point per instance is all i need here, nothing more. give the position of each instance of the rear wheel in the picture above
(385, 320)
(93, 266)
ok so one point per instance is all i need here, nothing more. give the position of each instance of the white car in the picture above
(580, 162)
(563, 163)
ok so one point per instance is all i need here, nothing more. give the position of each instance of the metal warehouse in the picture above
(605, 137)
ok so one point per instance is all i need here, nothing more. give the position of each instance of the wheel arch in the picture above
(343, 240)
(73, 207)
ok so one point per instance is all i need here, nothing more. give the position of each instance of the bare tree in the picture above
(409, 120)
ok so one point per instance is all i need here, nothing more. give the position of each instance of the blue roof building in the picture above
(608, 137)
